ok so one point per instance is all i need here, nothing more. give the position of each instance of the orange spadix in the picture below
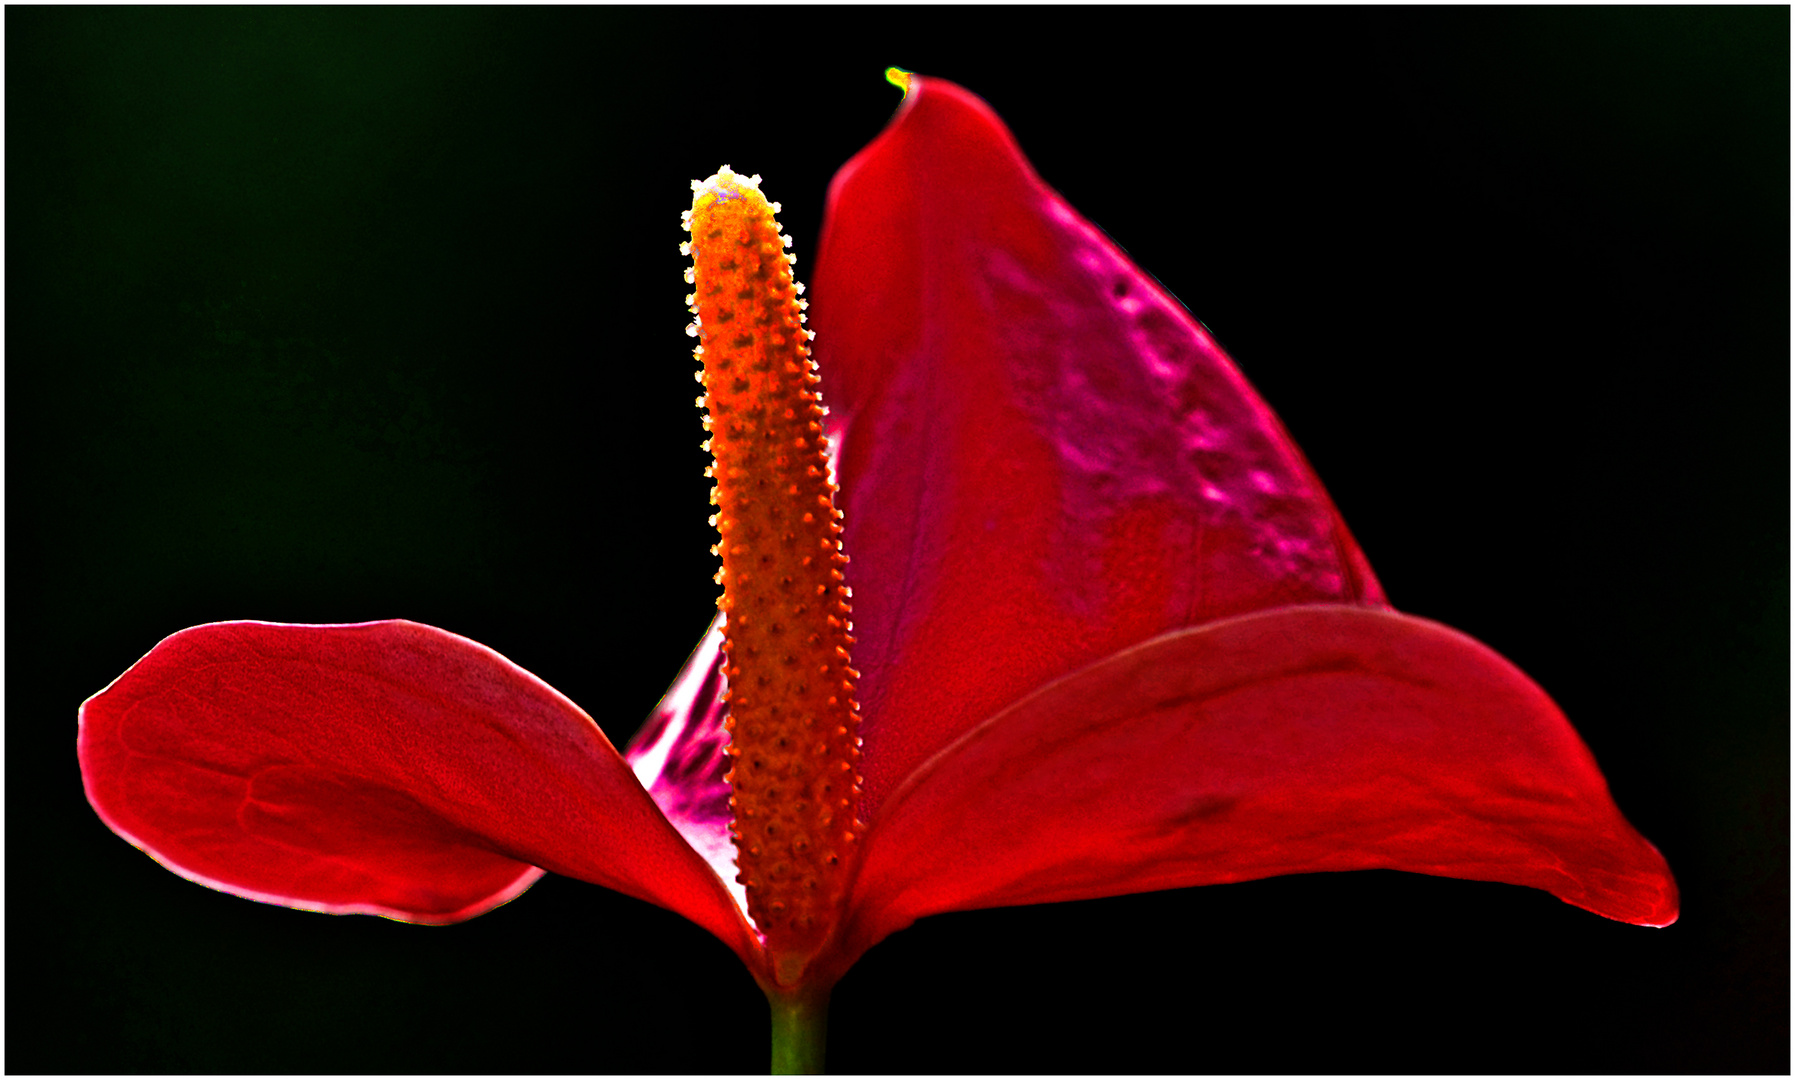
(792, 715)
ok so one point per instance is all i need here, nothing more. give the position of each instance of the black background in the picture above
(326, 315)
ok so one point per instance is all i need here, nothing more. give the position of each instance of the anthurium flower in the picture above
(1102, 632)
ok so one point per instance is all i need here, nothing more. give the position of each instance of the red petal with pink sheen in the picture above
(387, 768)
(1312, 738)
(679, 756)
(1045, 458)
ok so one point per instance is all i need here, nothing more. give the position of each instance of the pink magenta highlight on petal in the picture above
(1047, 458)
(678, 756)
(1113, 637)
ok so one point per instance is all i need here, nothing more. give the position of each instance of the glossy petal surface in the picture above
(678, 755)
(1045, 458)
(1311, 738)
(389, 768)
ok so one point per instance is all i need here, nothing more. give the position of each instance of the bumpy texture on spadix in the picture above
(791, 706)
(1115, 636)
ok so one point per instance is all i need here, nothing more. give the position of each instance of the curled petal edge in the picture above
(1302, 739)
(385, 768)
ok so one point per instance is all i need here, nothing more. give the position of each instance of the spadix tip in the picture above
(726, 185)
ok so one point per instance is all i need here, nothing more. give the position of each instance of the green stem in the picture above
(800, 1028)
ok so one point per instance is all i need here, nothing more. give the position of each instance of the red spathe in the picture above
(1113, 636)
(387, 768)
(1046, 458)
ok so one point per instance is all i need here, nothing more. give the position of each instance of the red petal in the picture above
(387, 768)
(1037, 436)
(678, 755)
(1312, 738)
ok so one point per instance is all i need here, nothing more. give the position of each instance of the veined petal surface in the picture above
(1323, 737)
(388, 768)
(1044, 457)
